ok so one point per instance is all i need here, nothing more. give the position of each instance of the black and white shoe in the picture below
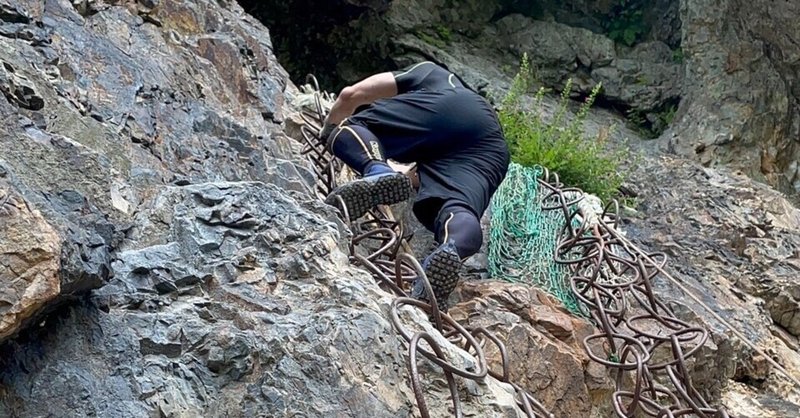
(442, 267)
(364, 194)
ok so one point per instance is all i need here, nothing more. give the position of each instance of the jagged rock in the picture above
(734, 243)
(48, 261)
(659, 17)
(554, 48)
(18, 89)
(544, 344)
(108, 138)
(29, 261)
(747, 403)
(645, 78)
(739, 106)
(12, 13)
(415, 15)
(785, 306)
(276, 313)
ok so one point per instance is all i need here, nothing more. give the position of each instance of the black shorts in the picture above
(454, 137)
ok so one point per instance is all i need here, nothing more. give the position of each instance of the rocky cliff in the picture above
(713, 80)
(162, 252)
(143, 156)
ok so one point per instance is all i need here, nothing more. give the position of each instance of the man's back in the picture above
(423, 114)
(425, 76)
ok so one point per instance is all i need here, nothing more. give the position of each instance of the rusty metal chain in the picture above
(378, 245)
(641, 338)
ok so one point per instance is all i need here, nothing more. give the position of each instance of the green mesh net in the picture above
(523, 237)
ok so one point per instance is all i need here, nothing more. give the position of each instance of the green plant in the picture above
(629, 202)
(677, 55)
(439, 35)
(560, 143)
(430, 40)
(444, 33)
(625, 22)
(668, 115)
(651, 124)
(638, 121)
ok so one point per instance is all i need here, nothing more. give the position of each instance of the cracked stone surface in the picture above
(161, 252)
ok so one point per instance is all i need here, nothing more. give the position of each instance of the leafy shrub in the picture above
(625, 22)
(559, 144)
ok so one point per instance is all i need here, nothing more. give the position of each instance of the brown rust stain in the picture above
(180, 17)
(225, 58)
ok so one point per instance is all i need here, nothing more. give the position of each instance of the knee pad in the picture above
(458, 224)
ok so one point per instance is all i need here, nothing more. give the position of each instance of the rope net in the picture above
(556, 238)
(523, 237)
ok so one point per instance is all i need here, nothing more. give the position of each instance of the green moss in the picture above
(438, 35)
(444, 33)
(430, 39)
(677, 55)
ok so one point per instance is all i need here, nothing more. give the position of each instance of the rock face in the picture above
(735, 243)
(543, 338)
(115, 118)
(646, 77)
(152, 204)
(112, 123)
(161, 251)
(733, 240)
(719, 73)
(29, 261)
(231, 299)
(741, 66)
(726, 88)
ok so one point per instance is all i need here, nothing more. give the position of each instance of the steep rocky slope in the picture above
(144, 158)
(738, 239)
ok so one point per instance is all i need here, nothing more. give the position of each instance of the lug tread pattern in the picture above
(443, 274)
(363, 194)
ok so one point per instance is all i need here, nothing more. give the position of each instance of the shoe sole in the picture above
(443, 276)
(361, 195)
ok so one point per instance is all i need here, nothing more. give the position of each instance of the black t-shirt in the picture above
(450, 131)
(425, 76)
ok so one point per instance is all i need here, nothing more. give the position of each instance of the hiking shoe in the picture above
(442, 268)
(364, 194)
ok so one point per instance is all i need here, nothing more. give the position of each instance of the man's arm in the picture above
(364, 92)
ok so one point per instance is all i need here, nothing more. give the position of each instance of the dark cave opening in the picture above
(342, 41)
(320, 38)
(649, 125)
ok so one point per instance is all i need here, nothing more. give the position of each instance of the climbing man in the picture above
(422, 114)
